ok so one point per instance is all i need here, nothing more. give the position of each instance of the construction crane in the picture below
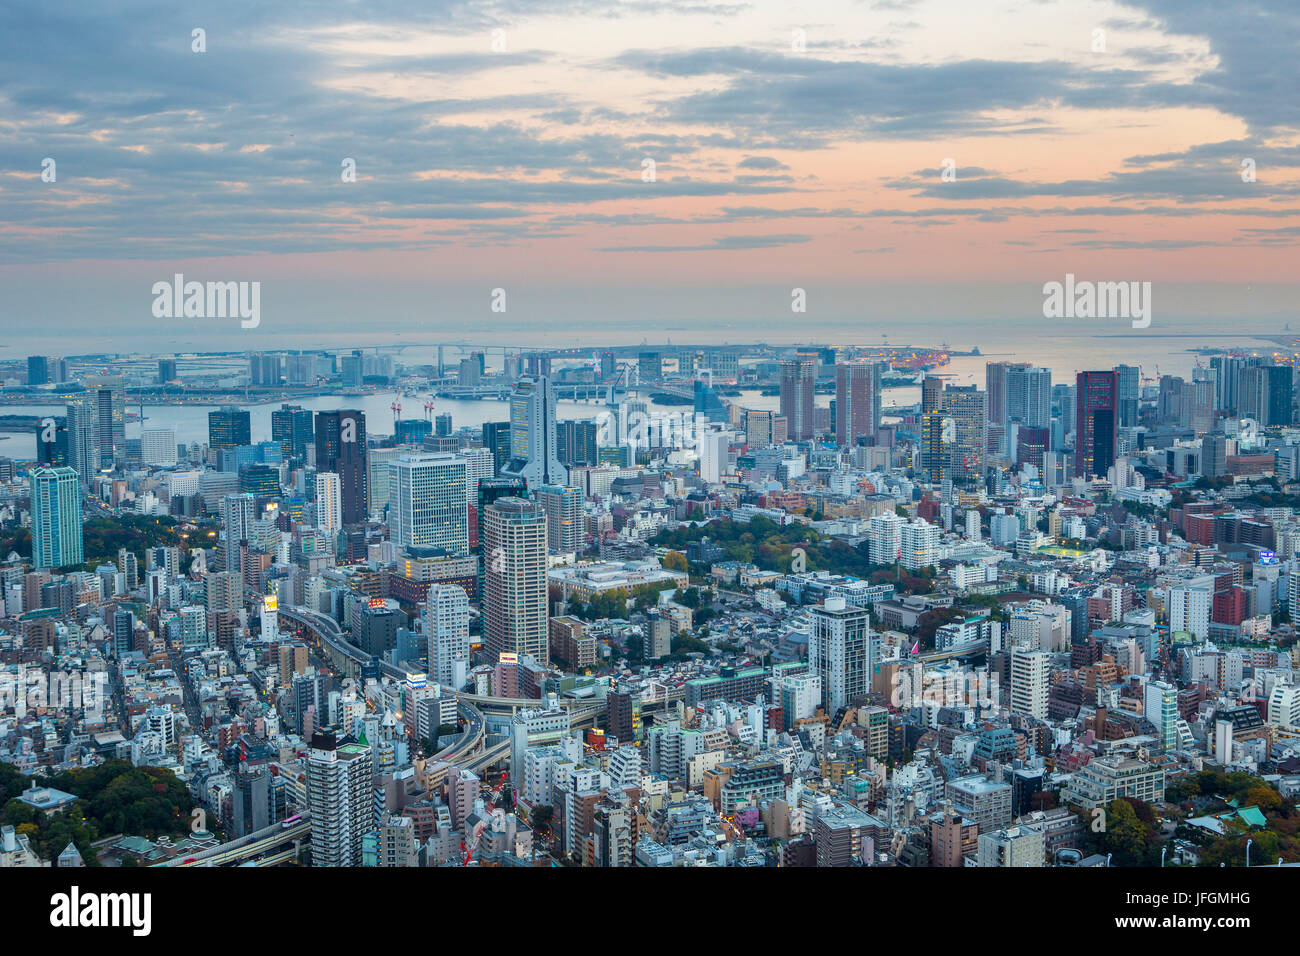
(467, 847)
(428, 409)
(397, 410)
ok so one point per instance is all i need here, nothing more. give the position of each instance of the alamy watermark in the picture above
(1098, 300)
(211, 300)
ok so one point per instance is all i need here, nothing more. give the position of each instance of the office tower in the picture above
(291, 427)
(798, 381)
(1265, 393)
(650, 367)
(329, 503)
(38, 370)
(109, 395)
(341, 448)
(56, 517)
(490, 489)
(158, 446)
(83, 438)
(229, 427)
(340, 798)
(1128, 391)
(129, 565)
(764, 428)
(1029, 673)
(533, 453)
(936, 446)
(885, 538)
(446, 627)
(576, 443)
(931, 394)
(715, 449)
(223, 591)
(608, 365)
(253, 803)
(496, 436)
(167, 371)
(52, 444)
(1214, 455)
(1029, 396)
(264, 368)
(442, 425)
(967, 408)
(995, 385)
(565, 530)
(1031, 445)
(707, 403)
(1169, 403)
(427, 506)
(514, 573)
(478, 467)
(1096, 430)
(840, 652)
(237, 514)
(857, 401)
(1227, 372)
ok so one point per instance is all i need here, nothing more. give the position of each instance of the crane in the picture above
(397, 410)
(428, 409)
(467, 847)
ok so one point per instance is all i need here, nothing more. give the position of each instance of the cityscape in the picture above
(651, 437)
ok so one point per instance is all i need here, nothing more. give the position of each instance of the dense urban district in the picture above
(1031, 624)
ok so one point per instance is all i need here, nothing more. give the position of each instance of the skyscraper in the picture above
(83, 438)
(38, 370)
(109, 395)
(857, 401)
(446, 627)
(534, 455)
(340, 798)
(966, 406)
(237, 513)
(931, 394)
(229, 427)
(1029, 674)
(329, 503)
(496, 436)
(1029, 396)
(1128, 391)
(514, 555)
(565, 532)
(798, 380)
(427, 506)
(341, 448)
(56, 517)
(840, 652)
(936, 446)
(1096, 431)
(291, 427)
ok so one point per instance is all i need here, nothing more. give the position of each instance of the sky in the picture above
(510, 145)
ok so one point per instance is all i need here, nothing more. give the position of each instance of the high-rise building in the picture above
(1214, 455)
(38, 370)
(496, 436)
(52, 445)
(446, 627)
(966, 406)
(857, 401)
(918, 543)
(158, 446)
(995, 385)
(291, 427)
(109, 394)
(167, 371)
(1029, 396)
(841, 651)
(229, 427)
(798, 383)
(936, 446)
(56, 517)
(1029, 682)
(341, 448)
(83, 439)
(329, 503)
(565, 526)
(885, 538)
(237, 514)
(1128, 391)
(931, 394)
(514, 557)
(533, 452)
(340, 798)
(1096, 432)
(427, 505)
